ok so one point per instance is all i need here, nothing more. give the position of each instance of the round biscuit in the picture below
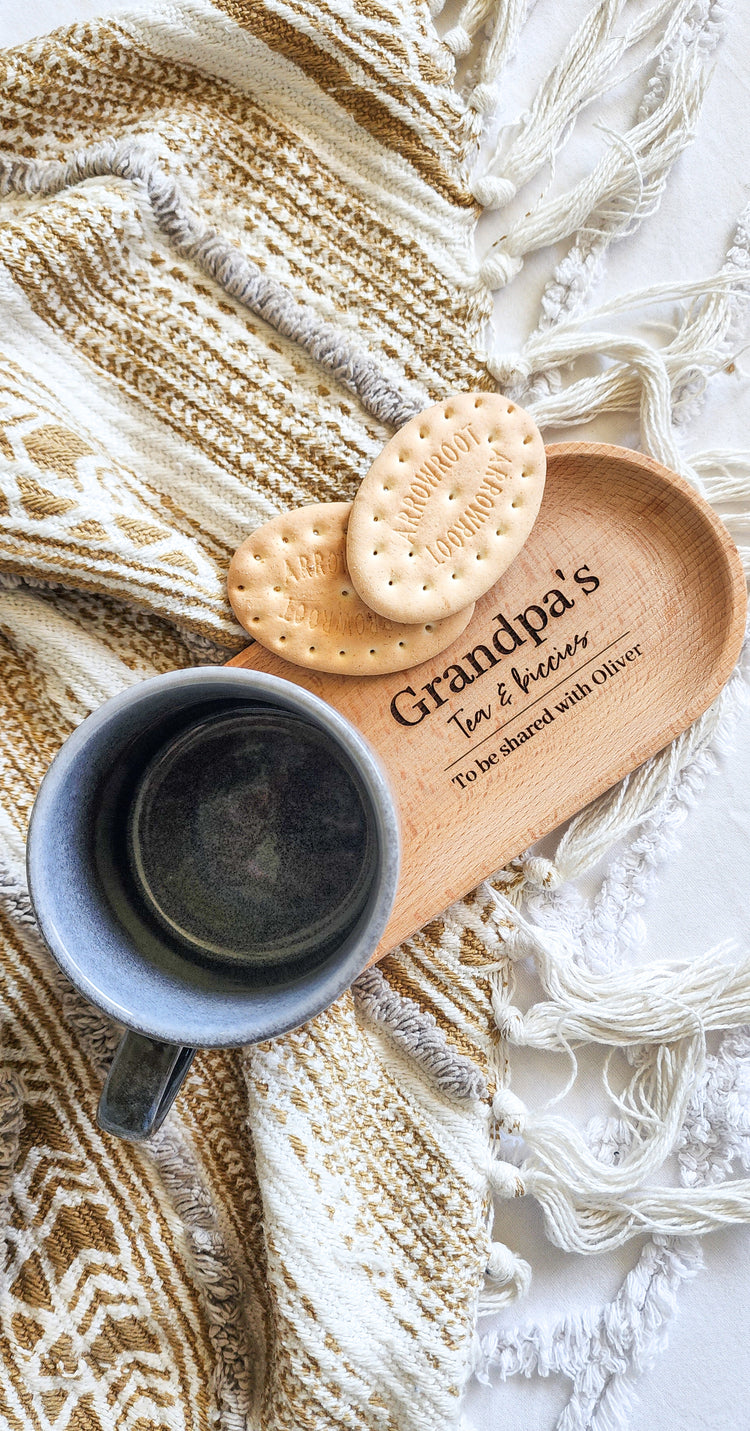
(446, 507)
(289, 586)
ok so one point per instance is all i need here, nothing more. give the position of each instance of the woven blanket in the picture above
(236, 254)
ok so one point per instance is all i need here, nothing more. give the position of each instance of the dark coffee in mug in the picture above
(248, 839)
(213, 857)
(239, 840)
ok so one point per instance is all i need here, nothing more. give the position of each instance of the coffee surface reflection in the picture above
(248, 840)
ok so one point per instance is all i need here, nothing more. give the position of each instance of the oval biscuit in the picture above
(446, 507)
(289, 586)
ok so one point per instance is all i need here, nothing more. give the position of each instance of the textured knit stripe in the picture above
(236, 252)
(184, 353)
(352, 70)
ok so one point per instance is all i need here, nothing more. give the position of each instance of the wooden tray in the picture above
(567, 698)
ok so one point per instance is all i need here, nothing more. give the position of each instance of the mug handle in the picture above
(142, 1084)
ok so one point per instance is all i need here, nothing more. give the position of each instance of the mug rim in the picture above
(317, 989)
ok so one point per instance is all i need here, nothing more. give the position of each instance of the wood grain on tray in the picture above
(615, 627)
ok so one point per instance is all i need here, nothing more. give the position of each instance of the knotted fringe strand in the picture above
(643, 814)
(624, 186)
(699, 347)
(221, 261)
(588, 1205)
(473, 14)
(500, 48)
(670, 1000)
(627, 182)
(506, 25)
(508, 1277)
(580, 76)
(599, 1350)
(701, 28)
(630, 1324)
(668, 1101)
(723, 476)
(653, 1105)
(617, 814)
(658, 382)
(583, 1219)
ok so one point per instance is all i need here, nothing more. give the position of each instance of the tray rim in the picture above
(730, 633)
(737, 605)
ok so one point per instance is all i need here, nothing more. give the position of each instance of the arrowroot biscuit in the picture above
(289, 587)
(446, 507)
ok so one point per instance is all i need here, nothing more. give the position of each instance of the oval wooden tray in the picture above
(615, 627)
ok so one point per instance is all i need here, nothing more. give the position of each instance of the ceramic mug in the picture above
(213, 856)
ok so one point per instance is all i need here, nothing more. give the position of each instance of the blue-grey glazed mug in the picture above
(213, 856)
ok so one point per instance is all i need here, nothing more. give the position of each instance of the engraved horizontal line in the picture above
(544, 696)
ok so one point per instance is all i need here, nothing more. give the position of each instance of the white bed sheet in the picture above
(700, 896)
